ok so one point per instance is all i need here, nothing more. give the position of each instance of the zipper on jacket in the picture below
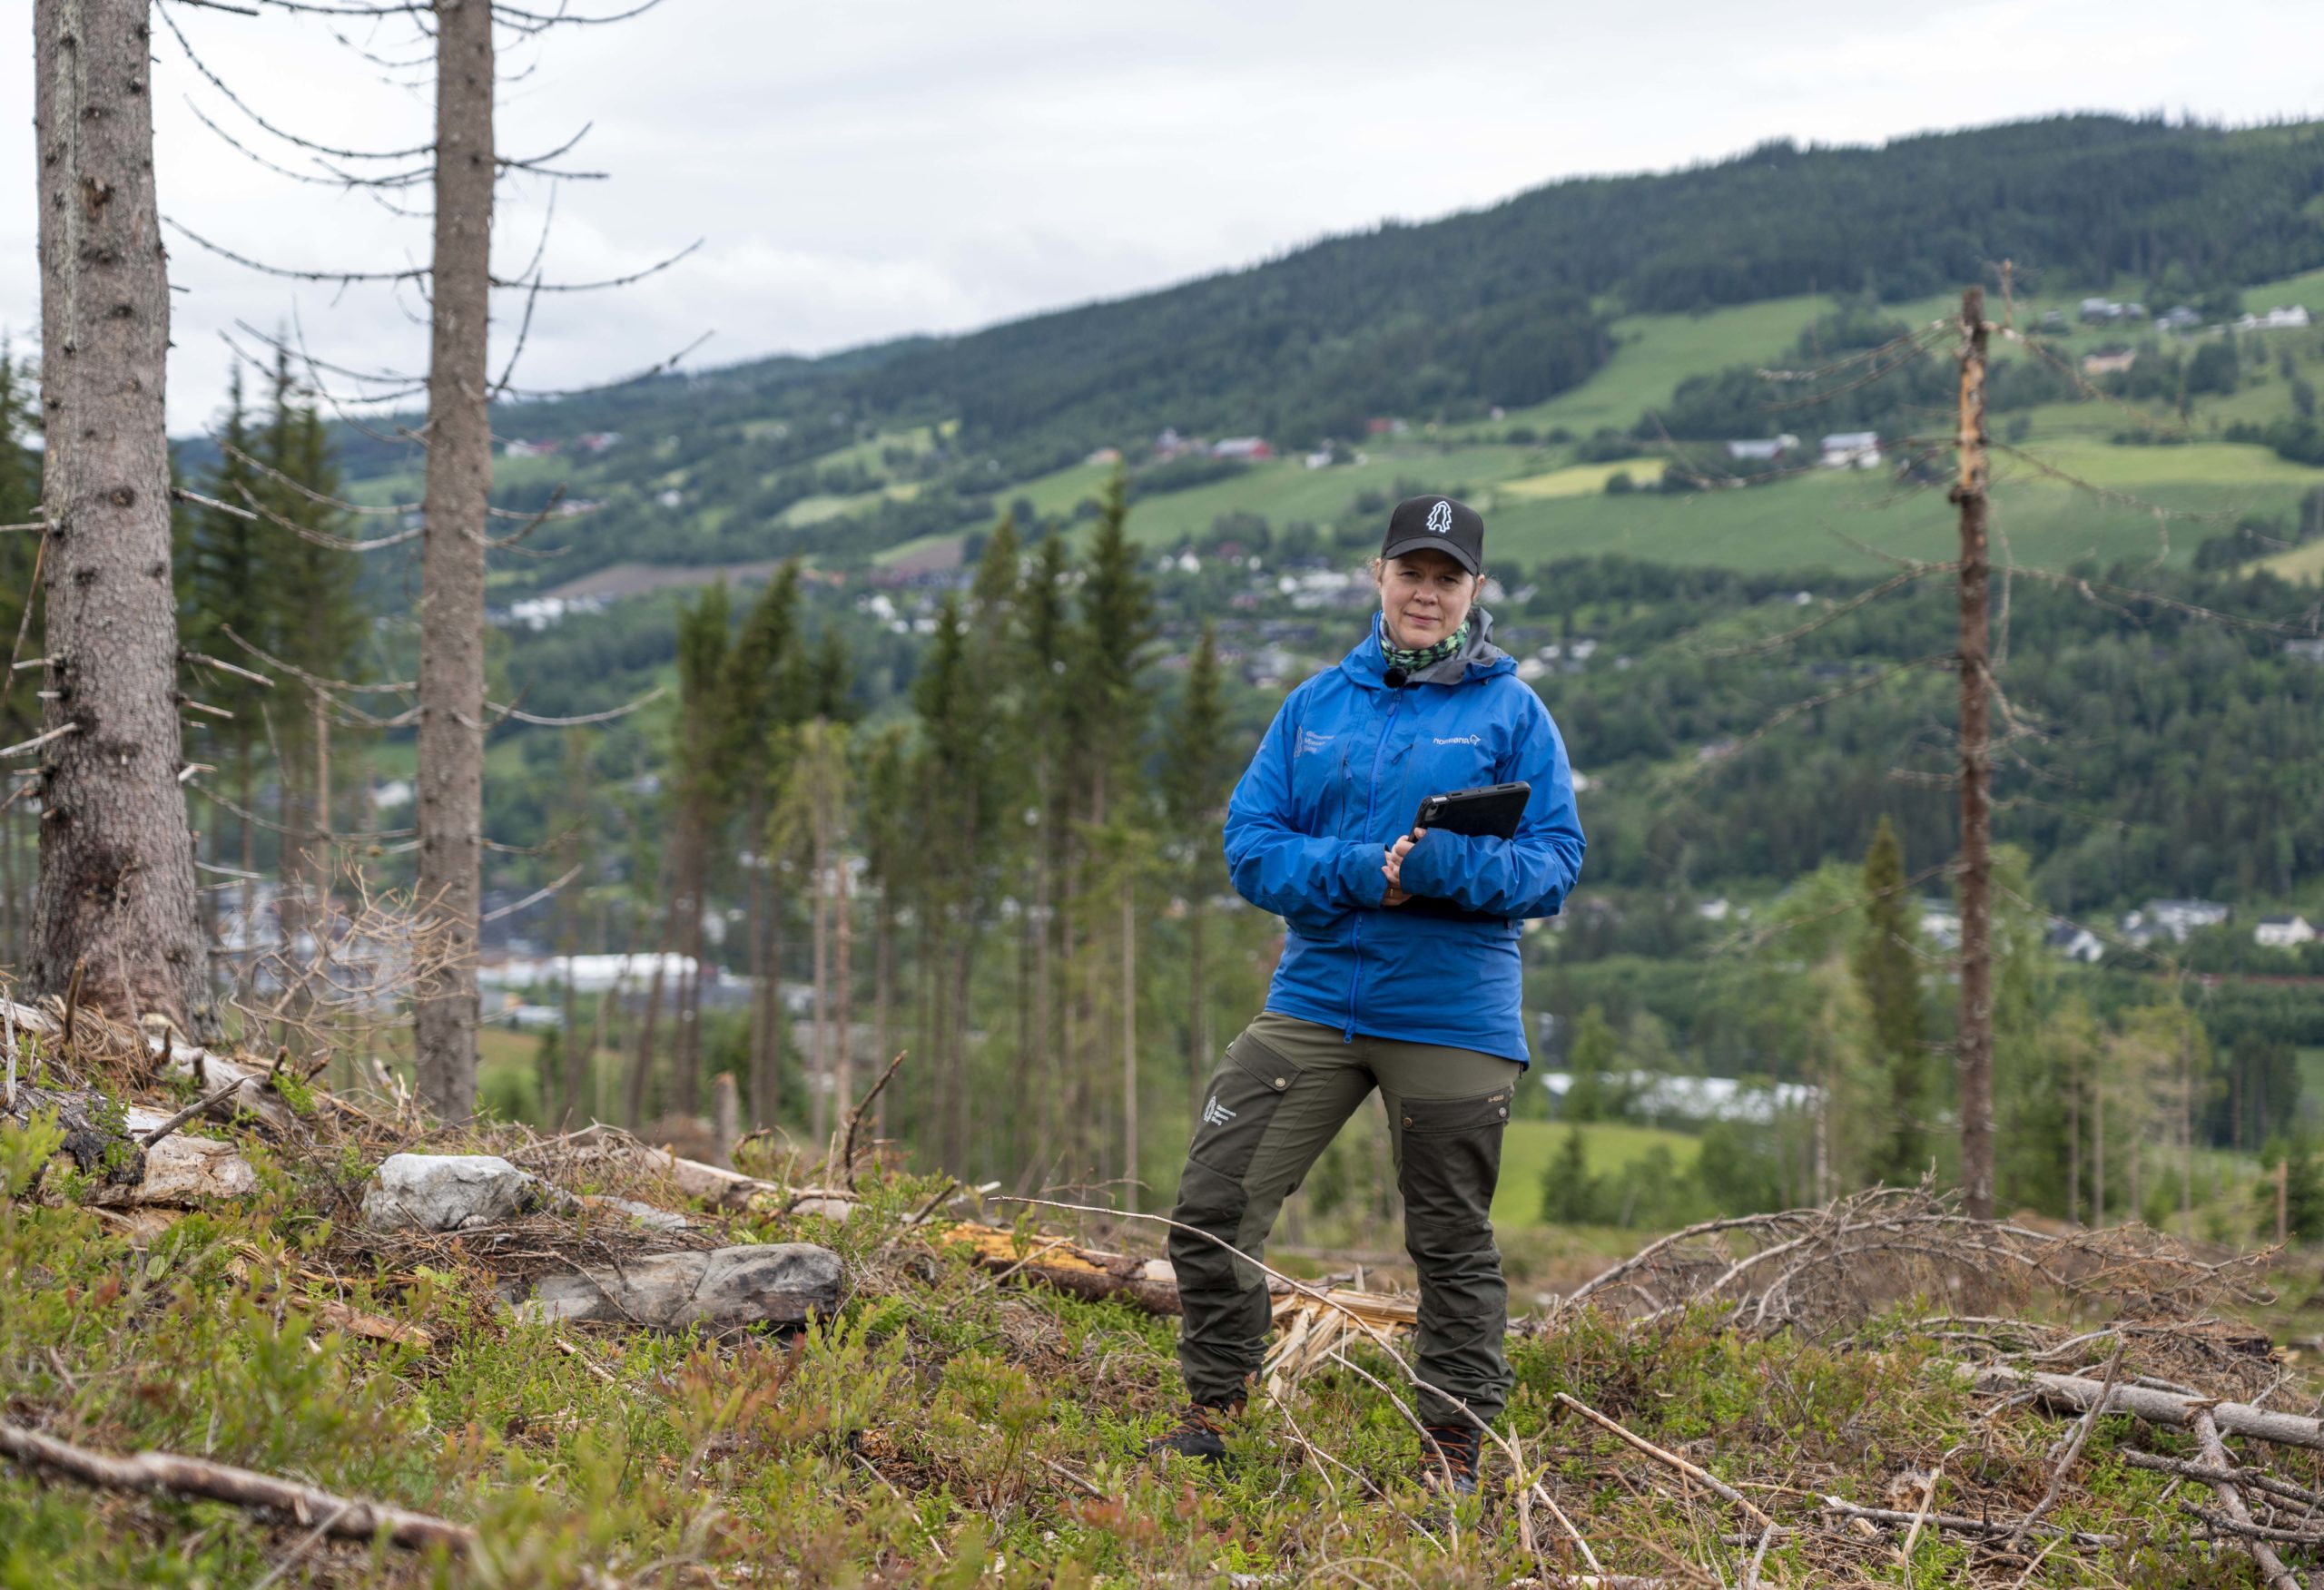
(1371, 804)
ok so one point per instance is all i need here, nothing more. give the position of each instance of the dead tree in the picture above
(1974, 1055)
(459, 488)
(116, 898)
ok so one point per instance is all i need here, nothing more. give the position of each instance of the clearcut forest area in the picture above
(886, 704)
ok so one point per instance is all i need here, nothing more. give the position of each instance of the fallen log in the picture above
(1985, 1528)
(2271, 1566)
(1083, 1273)
(347, 1517)
(2075, 1393)
(166, 1056)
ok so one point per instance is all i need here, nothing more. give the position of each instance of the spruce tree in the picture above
(1886, 970)
(313, 620)
(227, 597)
(767, 702)
(1108, 715)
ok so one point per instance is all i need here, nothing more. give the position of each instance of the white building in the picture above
(2175, 919)
(2282, 317)
(2074, 942)
(1852, 450)
(591, 974)
(2283, 932)
(1764, 450)
(1659, 1097)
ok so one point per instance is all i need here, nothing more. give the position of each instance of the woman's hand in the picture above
(1392, 867)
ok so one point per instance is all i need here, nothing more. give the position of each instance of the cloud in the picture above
(864, 170)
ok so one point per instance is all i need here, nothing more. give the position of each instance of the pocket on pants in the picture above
(1242, 1099)
(1451, 1165)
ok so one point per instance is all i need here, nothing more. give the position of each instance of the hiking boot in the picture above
(1201, 1432)
(1450, 1454)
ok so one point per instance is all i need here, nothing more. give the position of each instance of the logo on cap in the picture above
(1439, 519)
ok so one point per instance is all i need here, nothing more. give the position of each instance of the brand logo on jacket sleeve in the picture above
(1217, 1113)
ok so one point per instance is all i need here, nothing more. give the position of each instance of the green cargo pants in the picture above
(1282, 1092)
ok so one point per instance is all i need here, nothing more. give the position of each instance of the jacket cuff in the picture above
(1431, 864)
(1361, 875)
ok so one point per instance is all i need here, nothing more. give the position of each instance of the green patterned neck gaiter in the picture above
(1414, 661)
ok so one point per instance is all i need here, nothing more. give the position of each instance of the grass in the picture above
(1528, 1145)
(938, 1429)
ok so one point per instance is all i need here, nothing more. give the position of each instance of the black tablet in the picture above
(1492, 811)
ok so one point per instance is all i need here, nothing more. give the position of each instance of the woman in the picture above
(1400, 971)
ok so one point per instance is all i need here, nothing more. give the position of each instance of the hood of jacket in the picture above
(1367, 664)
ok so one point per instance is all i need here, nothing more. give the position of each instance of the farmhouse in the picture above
(2283, 932)
(1852, 450)
(1765, 450)
(2176, 919)
(2282, 317)
(2074, 942)
(2109, 361)
(1250, 448)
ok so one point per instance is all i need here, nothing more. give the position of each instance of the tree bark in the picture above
(458, 486)
(1975, 1052)
(1131, 1189)
(819, 1086)
(117, 892)
(844, 983)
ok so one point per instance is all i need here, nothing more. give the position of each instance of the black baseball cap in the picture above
(1455, 529)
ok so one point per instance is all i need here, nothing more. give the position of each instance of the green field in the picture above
(1527, 1149)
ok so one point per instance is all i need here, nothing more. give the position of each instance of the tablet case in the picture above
(1489, 811)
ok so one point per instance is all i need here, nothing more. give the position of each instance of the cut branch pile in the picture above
(1830, 1269)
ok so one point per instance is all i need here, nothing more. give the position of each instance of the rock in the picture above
(773, 1283)
(447, 1192)
(178, 1170)
(642, 1214)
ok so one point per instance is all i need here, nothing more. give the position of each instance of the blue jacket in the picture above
(1339, 777)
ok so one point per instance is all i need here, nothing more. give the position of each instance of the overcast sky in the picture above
(864, 169)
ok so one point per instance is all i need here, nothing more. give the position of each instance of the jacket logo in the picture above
(1461, 739)
(1217, 1113)
(1310, 741)
(1439, 519)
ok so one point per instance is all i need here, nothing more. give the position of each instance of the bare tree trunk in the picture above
(577, 1056)
(843, 992)
(2074, 1146)
(963, 1095)
(641, 1071)
(883, 952)
(10, 955)
(1130, 1188)
(1975, 1053)
(116, 890)
(2186, 1135)
(459, 482)
(1198, 1013)
(819, 1085)
(2098, 1155)
(685, 905)
(755, 919)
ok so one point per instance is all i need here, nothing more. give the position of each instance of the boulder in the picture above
(773, 1283)
(447, 1192)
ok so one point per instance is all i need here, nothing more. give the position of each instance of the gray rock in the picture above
(773, 1283)
(447, 1192)
(643, 1214)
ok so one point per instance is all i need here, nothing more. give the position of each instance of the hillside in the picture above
(1579, 307)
